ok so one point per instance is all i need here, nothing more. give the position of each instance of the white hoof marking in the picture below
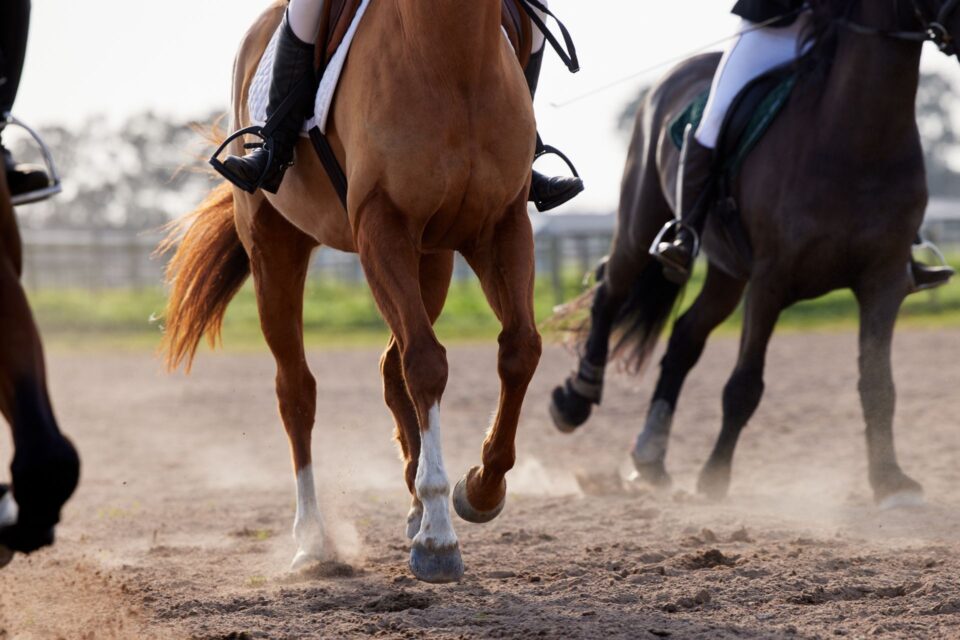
(414, 519)
(308, 528)
(433, 490)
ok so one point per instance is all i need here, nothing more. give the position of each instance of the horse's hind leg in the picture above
(717, 300)
(45, 467)
(879, 306)
(505, 266)
(435, 273)
(279, 260)
(391, 262)
(742, 393)
(571, 403)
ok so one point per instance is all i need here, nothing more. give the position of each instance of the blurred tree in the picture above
(938, 102)
(134, 176)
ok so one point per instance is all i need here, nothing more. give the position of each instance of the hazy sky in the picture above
(116, 57)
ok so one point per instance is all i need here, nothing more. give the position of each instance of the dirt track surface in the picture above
(182, 524)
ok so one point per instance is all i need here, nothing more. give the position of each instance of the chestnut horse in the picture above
(45, 466)
(434, 126)
(831, 198)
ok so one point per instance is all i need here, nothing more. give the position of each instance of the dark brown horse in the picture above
(45, 465)
(434, 127)
(831, 198)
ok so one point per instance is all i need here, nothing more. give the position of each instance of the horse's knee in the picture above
(519, 356)
(741, 395)
(425, 371)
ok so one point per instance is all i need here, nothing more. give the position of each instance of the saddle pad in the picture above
(763, 116)
(260, 87)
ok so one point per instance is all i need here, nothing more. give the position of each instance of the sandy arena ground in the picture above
(182, 524)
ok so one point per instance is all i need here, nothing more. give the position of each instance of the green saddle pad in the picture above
(760, 121)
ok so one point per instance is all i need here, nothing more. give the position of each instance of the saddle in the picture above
(748, 119)
(338, 15)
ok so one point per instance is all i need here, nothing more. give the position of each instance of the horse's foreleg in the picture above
(505, 266)
(391, 263)
(878, 313)
(45, 467)
(717, 300)
(742, 393)
(435, 273)
(279, 260)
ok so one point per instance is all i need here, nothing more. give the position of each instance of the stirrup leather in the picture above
(54, 185)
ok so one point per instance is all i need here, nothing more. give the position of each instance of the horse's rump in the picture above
(338, 14)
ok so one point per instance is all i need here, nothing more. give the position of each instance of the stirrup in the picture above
(938, 256)
(54, 185)
(670, 230)
(546, 149)
(221, 168)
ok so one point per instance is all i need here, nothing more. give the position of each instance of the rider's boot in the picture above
(924, 276)
(548, 192)
(291, 101)
(14, 24)
(676, 247)
(23, 178)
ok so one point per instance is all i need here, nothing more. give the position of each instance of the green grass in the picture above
(344, 314)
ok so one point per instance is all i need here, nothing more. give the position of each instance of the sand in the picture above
(181, 527)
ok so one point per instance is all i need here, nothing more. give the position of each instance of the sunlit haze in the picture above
(117, 57)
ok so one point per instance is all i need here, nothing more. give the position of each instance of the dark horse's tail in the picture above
(638, 323)
(204, 274)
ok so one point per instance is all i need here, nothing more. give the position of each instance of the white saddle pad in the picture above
(260, 87)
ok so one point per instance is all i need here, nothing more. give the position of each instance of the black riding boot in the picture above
(676, 247)
(292, 94)
(548, 192)
(924, 276)
(14, 26)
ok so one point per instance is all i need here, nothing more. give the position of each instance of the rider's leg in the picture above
(14, 23)
(545, 191)
(292, 93)
(924, 276)
(751, 55)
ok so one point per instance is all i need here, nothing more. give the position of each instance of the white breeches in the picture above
(748, 57)
(538, 38)
(304, 18)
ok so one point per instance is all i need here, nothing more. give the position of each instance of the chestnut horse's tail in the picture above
(204, 274)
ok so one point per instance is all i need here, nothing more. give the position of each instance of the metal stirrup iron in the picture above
(54, 185)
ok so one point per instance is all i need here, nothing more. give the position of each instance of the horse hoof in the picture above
(909, 499)
(6, 555)
(414, 518)
(304, 559)
(466, 510)
(654, 473)
(436, 566)
(569, 409)
(714, 483)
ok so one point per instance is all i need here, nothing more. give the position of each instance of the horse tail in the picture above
(638, 323)
(207, 269)
(642, 317)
